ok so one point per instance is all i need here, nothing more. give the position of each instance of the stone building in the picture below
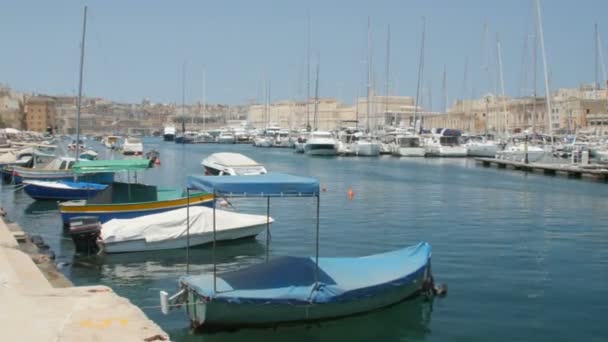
(40, 113)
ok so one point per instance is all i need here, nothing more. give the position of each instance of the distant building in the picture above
(40, 113)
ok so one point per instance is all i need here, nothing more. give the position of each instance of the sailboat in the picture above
(320, 143)
(367, 145)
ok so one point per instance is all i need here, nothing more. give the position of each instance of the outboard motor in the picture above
(85, 231)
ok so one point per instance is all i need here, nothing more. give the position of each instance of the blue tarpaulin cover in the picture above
(271, 184)
(292, 279)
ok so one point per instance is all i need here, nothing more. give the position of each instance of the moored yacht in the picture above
(169, 133)
(481, 147)
(517, 152)
(321, 143)
(408, 146)
(226, 137)
(445, 146)
(365, 146)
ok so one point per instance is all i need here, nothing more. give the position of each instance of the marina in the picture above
(323, 194)
(518, 235)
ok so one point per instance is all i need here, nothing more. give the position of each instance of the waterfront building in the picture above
(40, 113)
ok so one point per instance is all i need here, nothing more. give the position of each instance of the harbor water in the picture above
(525, 256)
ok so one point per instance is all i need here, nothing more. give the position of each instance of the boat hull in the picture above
(106, 212)
(410, 152)
(447, 151)
(487, 151)
(366, 149)
(168, 137)
(44, 193)
(195, 240)
(19, 174)
(320, 149)
(221, 314)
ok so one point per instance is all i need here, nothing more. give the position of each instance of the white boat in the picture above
(169, 230)
(481, 147)
(111, 141)
(408, 146)
(226, 137)
(300, 143)
(262, 141)
(232, 164)
(365, 147)
(132, 146)
(517, 152)
(445, 146)
(169, 133)
(282, 139)
(321, 143)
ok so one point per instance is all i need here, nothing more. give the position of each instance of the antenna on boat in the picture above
(79, 104)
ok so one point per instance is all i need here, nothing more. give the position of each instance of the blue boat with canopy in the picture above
(291, 289)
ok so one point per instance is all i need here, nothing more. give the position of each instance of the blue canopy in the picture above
(270, 184)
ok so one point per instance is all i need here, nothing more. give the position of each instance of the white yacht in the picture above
(231, 164)
(300, 143)
(445, 146)
(408, 146)
(132, 146)
(481, 147)
(365, 146)
(169, 133)
(321, 143)
(517, 152)
(283, 139)
(226, 137)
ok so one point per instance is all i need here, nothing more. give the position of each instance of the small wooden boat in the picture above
(127, 200)
(60, 168)
(61, 190)
(295, 289)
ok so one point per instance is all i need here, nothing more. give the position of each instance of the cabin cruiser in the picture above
(445, 146)
(132, 146)
(226, 137)
(365, 146)
(408, 146)
(169, 133)
(231, 164)
(203, 138)
(262, 141)
(111, 142)
(481, 146)
(282, 139)
(321, 143)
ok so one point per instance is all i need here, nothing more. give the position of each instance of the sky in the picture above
(138, 49)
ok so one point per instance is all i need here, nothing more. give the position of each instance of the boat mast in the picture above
(308, 73)
(369, 70)
(534, 72)
(444, 86)
(184, 98)
(316, 119)
(420, 68)
(204, 96)
(79, 104)
(596, 84)
(387, 80)
(502, 86)
(542, 46)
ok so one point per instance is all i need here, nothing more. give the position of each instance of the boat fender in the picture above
(157, 161)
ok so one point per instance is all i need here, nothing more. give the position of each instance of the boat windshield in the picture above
(449, 141)
(409, 142)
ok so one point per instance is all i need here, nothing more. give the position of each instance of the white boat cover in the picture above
(172, 225)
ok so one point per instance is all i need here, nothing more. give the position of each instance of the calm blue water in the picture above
(525, 256)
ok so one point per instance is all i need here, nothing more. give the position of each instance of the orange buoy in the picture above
(350, 193)
(157, 161)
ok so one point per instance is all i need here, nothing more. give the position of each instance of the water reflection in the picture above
(130, 269)
(37, 207)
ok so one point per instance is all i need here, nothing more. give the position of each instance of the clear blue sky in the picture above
(136, 49)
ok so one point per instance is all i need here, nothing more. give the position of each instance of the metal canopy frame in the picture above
(217, 195)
